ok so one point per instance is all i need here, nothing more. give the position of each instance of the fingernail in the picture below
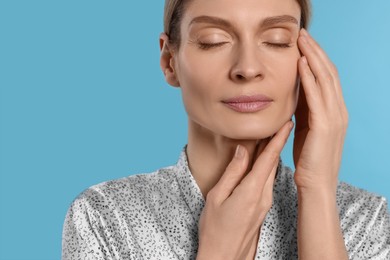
(239, 152)
(304, 59)
(304, 32)
(291, 125)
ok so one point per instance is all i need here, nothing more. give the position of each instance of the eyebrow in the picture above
(267, 22)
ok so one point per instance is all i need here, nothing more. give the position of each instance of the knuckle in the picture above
(307, 74)
(339, 125)
(345, 127)
(346, 118)
(334, 69)
(327, 78)
(234, 168)
(252, 188)
(342, 123)
(346, 123)
(325, 128)
(273, 155)
(336, 122)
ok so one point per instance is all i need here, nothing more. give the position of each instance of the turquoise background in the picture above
(83, 100)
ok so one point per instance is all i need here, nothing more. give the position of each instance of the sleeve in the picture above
(376, 245)
(82, 238)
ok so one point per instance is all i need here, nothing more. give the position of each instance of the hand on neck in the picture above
(209, 154)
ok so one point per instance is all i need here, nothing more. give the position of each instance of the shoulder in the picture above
(353, 200)
(365, 221)
(105, 217)
(121, 191)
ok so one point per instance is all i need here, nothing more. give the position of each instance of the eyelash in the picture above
(277, 45)
(207, 46)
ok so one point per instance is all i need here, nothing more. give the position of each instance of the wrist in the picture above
(202, 255)
(317, 192)
(319, 227)
(318, 188)
(321, 204)
(207, 252)
(318, 197)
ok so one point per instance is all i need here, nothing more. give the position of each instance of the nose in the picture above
(247, 65)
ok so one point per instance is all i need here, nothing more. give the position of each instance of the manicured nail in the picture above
(239, 152)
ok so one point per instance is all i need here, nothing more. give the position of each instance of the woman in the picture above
(244, 67)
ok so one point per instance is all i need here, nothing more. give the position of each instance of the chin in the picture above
(254, 133)
(254, 126)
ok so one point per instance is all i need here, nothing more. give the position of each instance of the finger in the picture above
(267, 196)
(264, 164)
(323, 69)
(232, 176)
(332, 68)
(259, 149)
(329, 82)
(269, 185)
(263, 143)
(313, 94)
(324, 58)
(323, 76)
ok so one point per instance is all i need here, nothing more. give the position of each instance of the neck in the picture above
(209, 155)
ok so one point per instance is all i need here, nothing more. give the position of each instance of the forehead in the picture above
(241, 11)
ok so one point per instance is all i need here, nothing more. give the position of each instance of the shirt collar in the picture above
(193, 196)
(188, 186)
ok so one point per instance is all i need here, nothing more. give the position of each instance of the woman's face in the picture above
(235, 48)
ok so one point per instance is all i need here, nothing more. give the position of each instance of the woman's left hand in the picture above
(321, 120)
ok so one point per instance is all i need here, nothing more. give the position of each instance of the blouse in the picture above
(156, 215)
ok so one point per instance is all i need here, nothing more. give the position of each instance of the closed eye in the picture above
(206, 46)
(277, 45)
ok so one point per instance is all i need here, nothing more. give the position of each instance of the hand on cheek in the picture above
(321, 119)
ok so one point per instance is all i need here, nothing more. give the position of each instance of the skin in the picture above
(216, 61)
(245, 65)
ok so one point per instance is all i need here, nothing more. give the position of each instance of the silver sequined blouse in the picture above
(155, 216)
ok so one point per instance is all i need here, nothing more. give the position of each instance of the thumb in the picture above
(232, 176)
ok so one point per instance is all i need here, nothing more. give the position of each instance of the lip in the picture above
(248, 104)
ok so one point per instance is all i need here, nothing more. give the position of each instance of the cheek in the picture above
(195, 84)
(290, 86)
(292, 93)
(292, 82)
(201, 75)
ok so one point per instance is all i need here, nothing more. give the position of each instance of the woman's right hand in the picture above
(237, 205)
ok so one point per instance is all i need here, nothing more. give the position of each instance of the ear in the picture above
(167, 61)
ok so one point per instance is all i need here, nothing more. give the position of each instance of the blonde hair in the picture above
(174, 10)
